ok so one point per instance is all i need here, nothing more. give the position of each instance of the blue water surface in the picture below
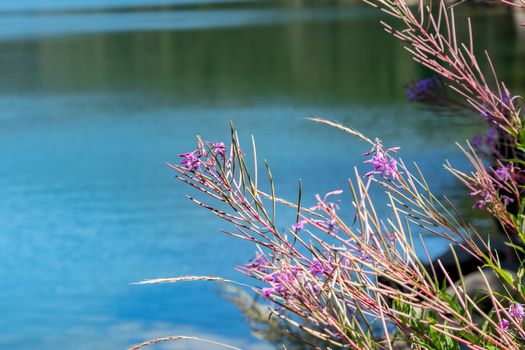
(92, 106)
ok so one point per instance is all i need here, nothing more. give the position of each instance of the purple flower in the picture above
(504, 324)
(516, 311)
(299, 225)
(268, 291)
(411, 94)
(190, 161)
(278, 283)
(482, 202)
(317, 268)
(507, 200)
(259, 263)
(425, 84)
(492, 135)
(365, 257)
(331, 225)
(506, 98)
(218, 148)
(476, 141)
(323, 204)
(422, 89)
(502, 174)
(383, 164)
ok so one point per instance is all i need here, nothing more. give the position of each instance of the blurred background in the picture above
(97, 95)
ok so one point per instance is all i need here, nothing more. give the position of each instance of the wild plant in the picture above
(361, 284)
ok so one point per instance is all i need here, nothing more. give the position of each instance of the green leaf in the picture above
(506, 275)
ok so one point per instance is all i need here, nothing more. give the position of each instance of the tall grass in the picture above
(360, 284)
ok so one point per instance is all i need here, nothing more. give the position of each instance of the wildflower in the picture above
(299, 225)
(476, 141)
(331, 225)
(268, 291)
(482, 202)
(423, 89)
(504, 324)
(218, 148)
(516, 311)
(506, 98)
(259, 263)
(190, 161)
(365, 257)
(317, 268)
(506, 200)
(492, 135)
(323, 204)
(278, 282)
(502, 174)
(382, 163)
(328, 225)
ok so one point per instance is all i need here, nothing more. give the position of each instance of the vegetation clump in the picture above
(360, 284)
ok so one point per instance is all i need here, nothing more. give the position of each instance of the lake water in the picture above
(95, 98)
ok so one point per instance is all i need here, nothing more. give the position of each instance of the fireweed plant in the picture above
(360, 284)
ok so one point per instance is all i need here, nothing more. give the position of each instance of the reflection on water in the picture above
(94, 105)
(50, 6)
(30, 26)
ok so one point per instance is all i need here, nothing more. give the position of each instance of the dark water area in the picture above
(94, 102)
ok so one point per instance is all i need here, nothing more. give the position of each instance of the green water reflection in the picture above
(345, 59)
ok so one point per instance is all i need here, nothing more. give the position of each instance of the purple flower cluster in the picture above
(506, 98)
(328, 226)
(502, 174)
(491, 136)
(476, 141)
(193, 160)
(284, 283)
(279, 283)
(365, 257)
(218, 148)
(507, 200)
(258, 264)
(516, 312)
(299, 225)
(318, 268)
(489, 140)
(481, 203)
(423, 89)
(504, 323)
(331, 226)
(382, 162)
